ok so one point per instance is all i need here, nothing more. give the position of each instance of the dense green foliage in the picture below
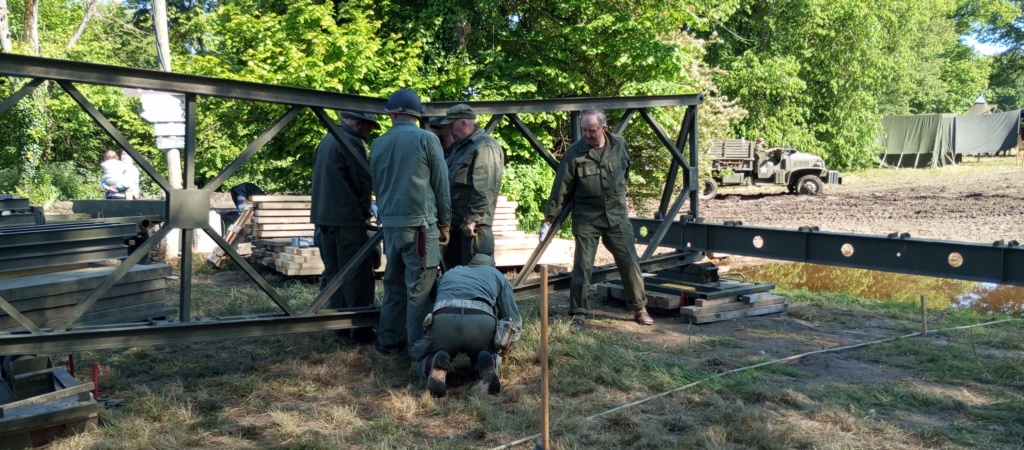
(816, 74)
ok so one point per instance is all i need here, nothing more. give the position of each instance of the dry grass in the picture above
(958, 390)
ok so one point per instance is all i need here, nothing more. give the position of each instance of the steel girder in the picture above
(177, 211)
(996, 263)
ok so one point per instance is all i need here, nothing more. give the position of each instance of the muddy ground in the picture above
(979, 201)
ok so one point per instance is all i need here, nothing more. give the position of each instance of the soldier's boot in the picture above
(489, 372)
(440, 364)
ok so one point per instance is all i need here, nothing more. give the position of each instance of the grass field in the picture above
(951, 389)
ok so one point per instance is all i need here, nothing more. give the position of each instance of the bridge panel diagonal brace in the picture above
(25, 90)
(532, 139)
(111, 131)
(251, 150)
(260, 281)
(345, 274)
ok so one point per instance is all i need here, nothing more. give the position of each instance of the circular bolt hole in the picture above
(846, 250)
(758, 242)
(898, 254)
(689, 244)
(643, 231)
(955, 260)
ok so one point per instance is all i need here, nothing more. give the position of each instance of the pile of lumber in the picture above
(281, 216)
(39, 403)
(513, 247)
(686, 299)
(299, 261)
(46, 299)
(265, 250)
(237, 233)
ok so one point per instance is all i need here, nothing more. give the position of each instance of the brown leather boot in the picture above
(643, 318)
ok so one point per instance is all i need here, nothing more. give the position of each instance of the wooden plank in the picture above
(299, 265)
(285, 205)
(260, 227)
(298, 258)
(714, 301)
(301, 272)
(262, 234)
(285, 219)
(48, 414)
(727, 315)
(303, 251)
(731, 306)
(280, 198)
(265, 213)
(63, 393)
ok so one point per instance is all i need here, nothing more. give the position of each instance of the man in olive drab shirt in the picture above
(340, 209)
(593, 174)
(475, 165)
(411, 182)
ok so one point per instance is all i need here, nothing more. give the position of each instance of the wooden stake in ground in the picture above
(924, 317)
(545, 442)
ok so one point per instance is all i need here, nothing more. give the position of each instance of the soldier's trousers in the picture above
(338, 245)
(413, 254)
(460, 249)
(618, 239)
(459, 331)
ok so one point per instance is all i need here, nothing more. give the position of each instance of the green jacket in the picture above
(410, 177)
(474, 176)
(341, 188)
(595, 182)
(479, 282)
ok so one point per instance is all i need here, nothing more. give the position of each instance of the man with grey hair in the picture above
(340, 209)
(593, 174)
(475, 165)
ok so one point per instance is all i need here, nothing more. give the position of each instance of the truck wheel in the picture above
(707, 189)
(810, 185)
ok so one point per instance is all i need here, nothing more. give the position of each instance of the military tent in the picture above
(932, 140)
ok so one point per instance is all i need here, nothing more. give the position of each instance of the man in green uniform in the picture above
(593, 174)
(474, 177)
(340, 209)
(443, 134)
(411, 182)
(471, 300)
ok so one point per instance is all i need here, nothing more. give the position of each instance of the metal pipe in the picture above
(544, 400)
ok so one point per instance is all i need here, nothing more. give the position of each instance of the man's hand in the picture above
(445, 235)
(373, 210)
(469, 228)
(544, 228)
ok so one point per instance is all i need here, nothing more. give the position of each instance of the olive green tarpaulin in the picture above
(932, 140)
(917, 141)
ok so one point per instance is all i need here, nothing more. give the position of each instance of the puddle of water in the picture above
(940, 293)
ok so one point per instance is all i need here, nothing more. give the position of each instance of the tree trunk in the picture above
(90, 10)
(32, 25)
(5, 30)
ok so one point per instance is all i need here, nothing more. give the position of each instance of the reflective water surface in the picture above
(940, 293)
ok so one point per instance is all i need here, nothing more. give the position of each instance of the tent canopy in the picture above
(932, 140)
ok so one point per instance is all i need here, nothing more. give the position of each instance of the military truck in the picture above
(736, 162)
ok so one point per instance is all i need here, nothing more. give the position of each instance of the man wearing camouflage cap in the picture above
(340, 210)
(474, 177)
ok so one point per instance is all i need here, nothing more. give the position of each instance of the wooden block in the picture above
(260, 227)
(662, 300)
(285, 205)
(307, 251)
(263, 234)
(603, 292)
(266, 213)
(714, 301)
(282, 219)
(299, 265)
(726, 315)
(280, 198)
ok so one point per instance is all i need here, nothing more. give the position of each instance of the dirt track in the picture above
(979, 201)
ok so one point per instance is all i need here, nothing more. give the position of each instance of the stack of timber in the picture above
(299, 261)
(237, 233)
(265, 250)
(16, 211)
(281, 216)
(702, 302)
(513, 247)
(29, 249)
(46, 299)
(39, 403)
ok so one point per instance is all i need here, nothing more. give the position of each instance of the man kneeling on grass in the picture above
(475, 313)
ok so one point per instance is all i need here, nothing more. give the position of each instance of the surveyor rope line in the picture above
(741, 369)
